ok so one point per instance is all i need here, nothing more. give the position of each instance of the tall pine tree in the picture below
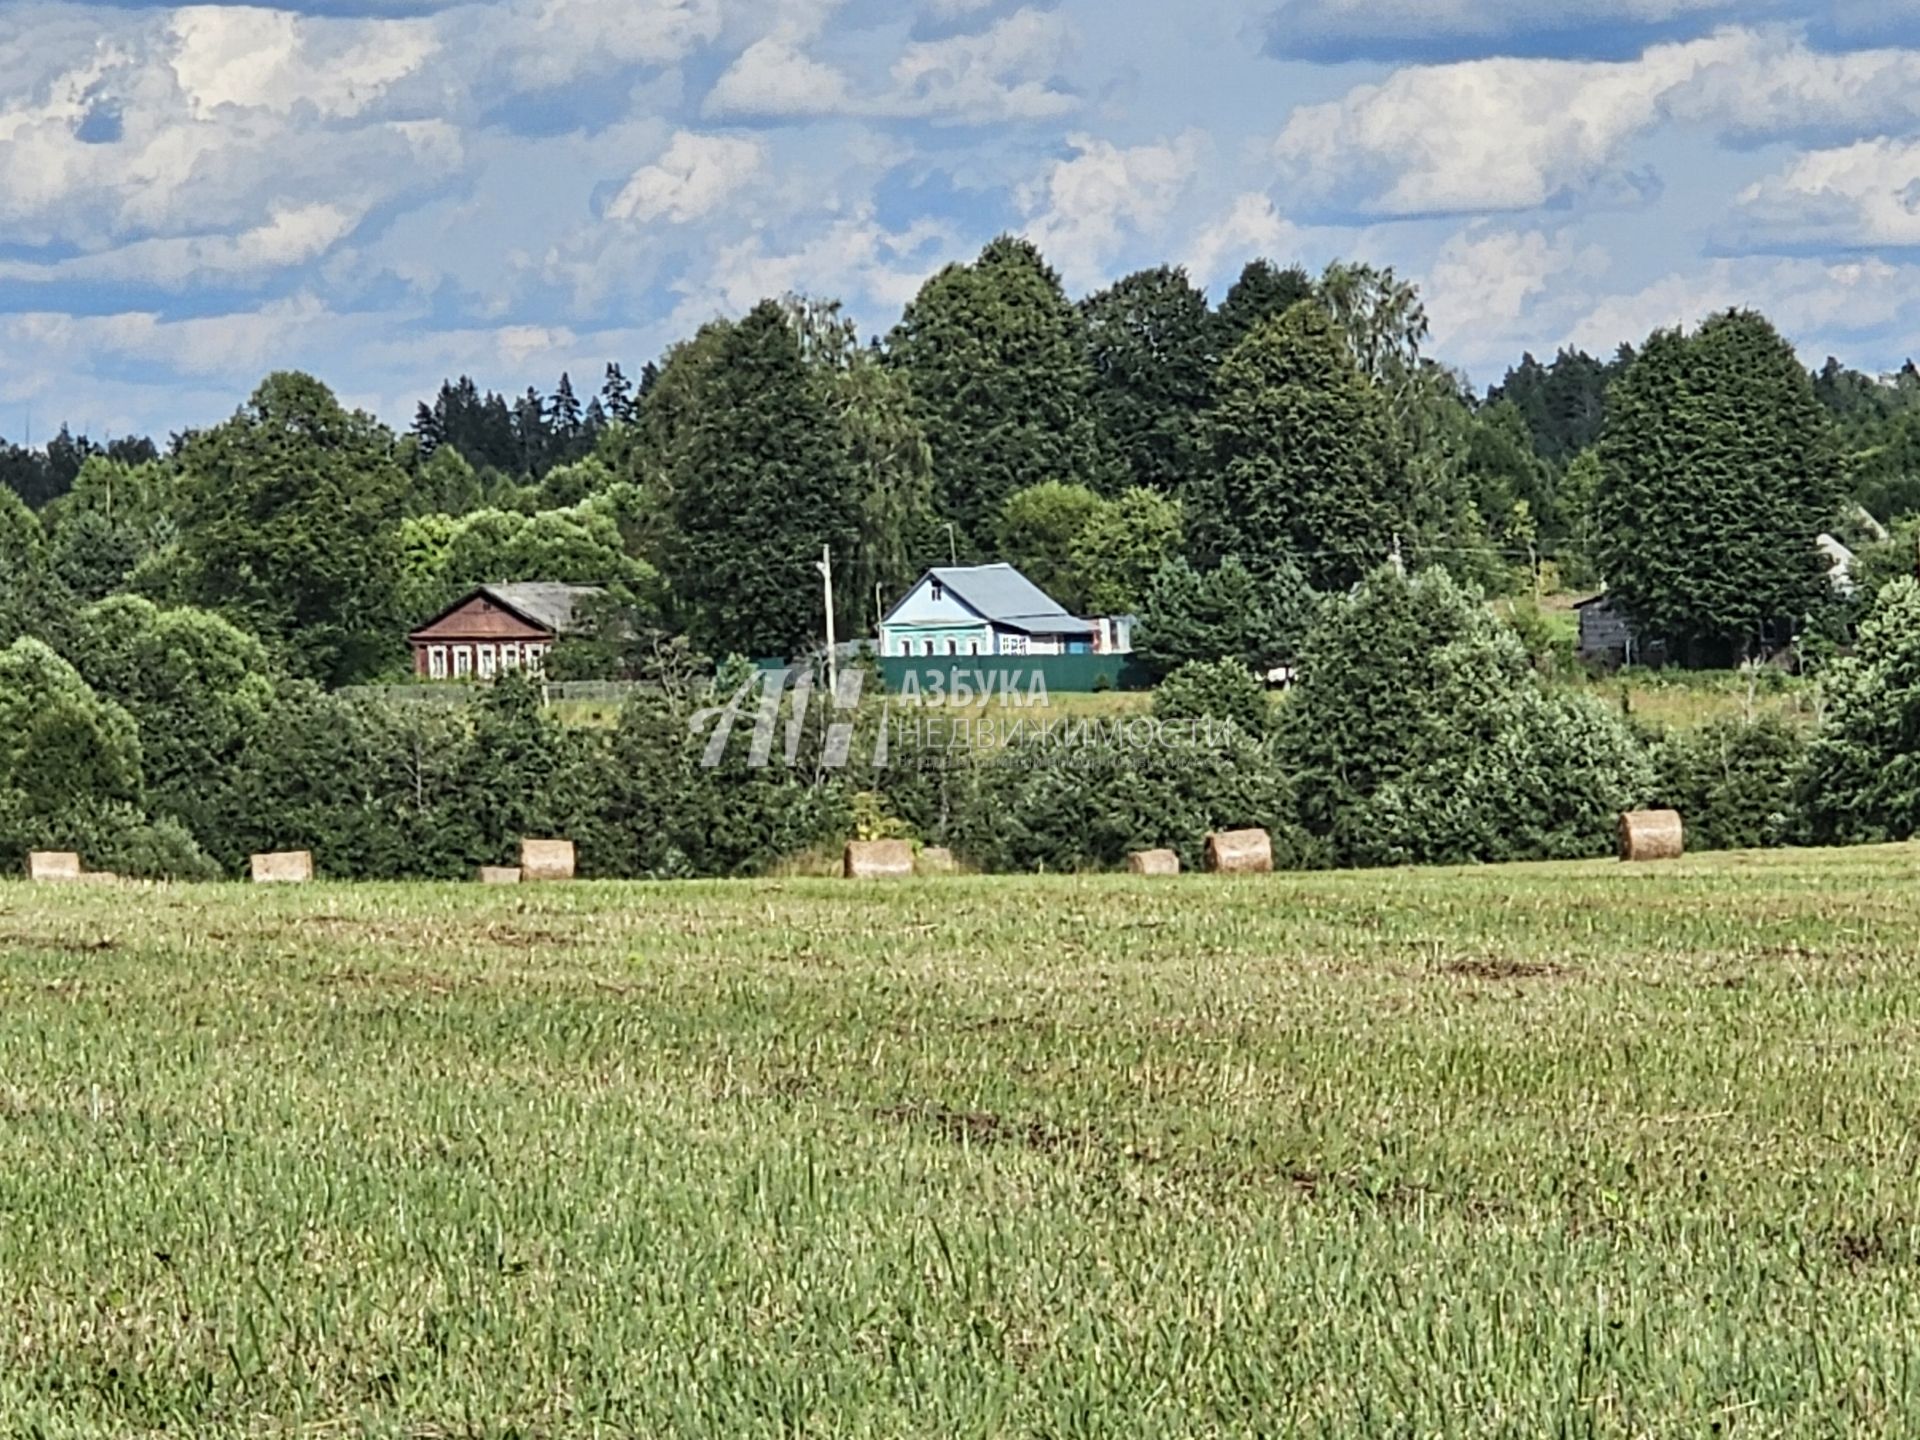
(1301, 451)
(1151, 339)
(1001, 380)
(761, 484)
(1718, 471)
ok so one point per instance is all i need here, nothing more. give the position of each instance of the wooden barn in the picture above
(498, 628)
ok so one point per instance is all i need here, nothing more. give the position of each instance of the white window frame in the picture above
(926, 648)
(486, 662)
(509, 657)
(537, 659)
(939, 593)
(1011, 644)
(462, 662)
(436, 662)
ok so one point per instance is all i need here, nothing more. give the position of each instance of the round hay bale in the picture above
(546, 860)
(499, 874)
(289, 867)
(937, 860)
(878, 860)
(1240, 852)
(1153, 862)
(1652, 835)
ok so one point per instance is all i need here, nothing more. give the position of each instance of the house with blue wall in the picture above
(983, 610)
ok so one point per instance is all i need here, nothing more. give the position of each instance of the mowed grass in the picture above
(1568, 1151)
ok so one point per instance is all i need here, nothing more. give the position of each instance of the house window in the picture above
(536, 659)
(509, 657)
(973, 647)
(462, 662)
(953, 647)
(1013, 644)
(487, 656)
(939, 592)
(437, 663)
(926, 647)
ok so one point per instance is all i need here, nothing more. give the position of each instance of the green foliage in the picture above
(115, 517)
(1863, 769)
(1733, 781)
(1419, 733)
(287, 524)
(1300, 447)
(1152, 343)
(1564, 404)
(1059, 808)
(1122, 547)
(1224, 613)
(1263, 292)
(61, 745)
(1038, 531)
(997, 361)
(1214, 690)
(754, 499)
(1718, 470)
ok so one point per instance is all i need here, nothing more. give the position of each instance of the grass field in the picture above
(1548, 1151)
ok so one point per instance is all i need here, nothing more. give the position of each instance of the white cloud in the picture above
(1506, 134)
(1489, 278)
(1859, 195)
(1086, 207)
(1251, 227)
(547, 43)
(273, 60)
(1815, 303)
(693, 178)
(1005, 72)
(289, 237)
(855, 256)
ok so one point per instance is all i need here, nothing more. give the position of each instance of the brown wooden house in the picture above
(498, 628)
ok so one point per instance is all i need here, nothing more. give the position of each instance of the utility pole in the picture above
(953, 546)
(825, 566)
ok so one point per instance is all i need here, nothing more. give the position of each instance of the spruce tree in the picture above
(1718, 470)
(761, 483)
(1301, 452)
(1151, 340)
(997, 360)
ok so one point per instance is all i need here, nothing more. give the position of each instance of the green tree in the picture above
(61, 745)
(31, 602)
(1038, 530)
(287, 525)
(1420, 733)
(1301, 452)
(1214, 690)
(761, 485)
(1718, 471)
(1120, 549)
(1151, 340)
(1221, 614)
(1862, 780)
(115, 517)
(1263, 292)
(997, 360)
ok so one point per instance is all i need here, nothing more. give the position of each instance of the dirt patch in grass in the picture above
(1500, 969)
(983, 1128)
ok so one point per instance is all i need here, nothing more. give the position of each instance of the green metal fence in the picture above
(1020, 676)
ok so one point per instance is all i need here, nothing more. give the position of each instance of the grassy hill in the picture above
(1580, 1150)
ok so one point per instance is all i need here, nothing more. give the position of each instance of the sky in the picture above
(389, 192)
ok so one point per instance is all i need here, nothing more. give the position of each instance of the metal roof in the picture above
(546, 603)
(1002, 595)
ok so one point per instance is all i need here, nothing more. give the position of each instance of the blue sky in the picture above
(386, 192)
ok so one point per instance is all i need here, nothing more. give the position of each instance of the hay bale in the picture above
(878, 860)
(499, 874)
(101, 877)
(546, 860)
(290, 867)
(1652, 835)
(50, 867)
(1240, 852)
(937, 860)
(1153, 862)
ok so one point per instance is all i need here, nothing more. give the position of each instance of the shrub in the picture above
(1217, 690)
(1734, 782)
(1862, 779)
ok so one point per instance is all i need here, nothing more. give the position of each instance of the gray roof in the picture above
(1003, 595)
(546, 603)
